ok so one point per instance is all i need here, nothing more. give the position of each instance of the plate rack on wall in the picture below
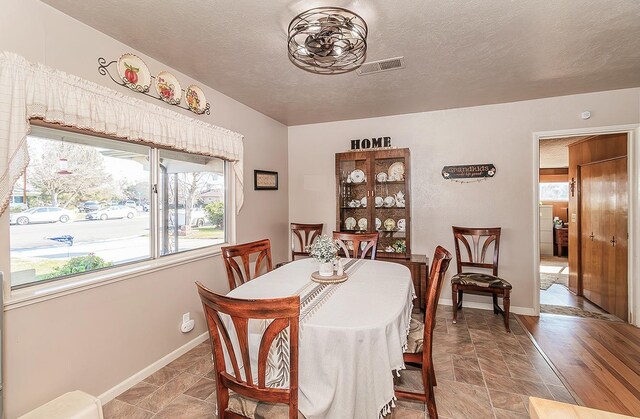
(103, 69)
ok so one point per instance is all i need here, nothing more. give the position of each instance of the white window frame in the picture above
(35, 293)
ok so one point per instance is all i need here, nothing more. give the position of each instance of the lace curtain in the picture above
(37, 91)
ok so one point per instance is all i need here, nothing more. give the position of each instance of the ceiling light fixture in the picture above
(328, 40)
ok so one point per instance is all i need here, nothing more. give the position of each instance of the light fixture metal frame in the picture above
(327, 40)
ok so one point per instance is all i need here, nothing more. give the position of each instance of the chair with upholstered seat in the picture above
(243, 253)
(420, 339)
(479, 282)
(370, 241)
(243, 387)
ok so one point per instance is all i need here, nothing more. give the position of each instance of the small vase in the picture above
(326, 269)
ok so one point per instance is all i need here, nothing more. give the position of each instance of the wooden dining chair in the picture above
(371, 240)
(302, 236)
(479, 282)
(241, 394)
(243, 253)
(420, 339)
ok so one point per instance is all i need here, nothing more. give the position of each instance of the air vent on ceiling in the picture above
(381, 65)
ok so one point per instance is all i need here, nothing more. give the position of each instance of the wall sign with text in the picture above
(373, 142)
(469, 171)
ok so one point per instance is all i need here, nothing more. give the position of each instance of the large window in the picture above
(88, 203)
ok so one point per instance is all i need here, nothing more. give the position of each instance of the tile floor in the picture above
(482, 372)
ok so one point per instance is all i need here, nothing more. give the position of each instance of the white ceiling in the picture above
(458, 53)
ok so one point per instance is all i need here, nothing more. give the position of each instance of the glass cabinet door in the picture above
(390, 203)
(354, 183)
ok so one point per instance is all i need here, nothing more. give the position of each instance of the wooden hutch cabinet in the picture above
(373, 193)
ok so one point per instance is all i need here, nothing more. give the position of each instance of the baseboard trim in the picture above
(527, 311)
(125, 385)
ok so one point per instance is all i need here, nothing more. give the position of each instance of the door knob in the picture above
(591, 236)
(613, 241)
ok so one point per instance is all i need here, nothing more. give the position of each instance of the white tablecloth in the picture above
(352, 334)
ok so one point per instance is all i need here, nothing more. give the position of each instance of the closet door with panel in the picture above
(603, 227)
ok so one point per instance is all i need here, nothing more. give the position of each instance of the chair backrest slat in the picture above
(371, 240)
(226, 315)
(483, 239)
(439, 266)
(244, 252)
(303, 235)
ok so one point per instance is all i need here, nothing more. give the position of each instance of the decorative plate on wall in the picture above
(195, 98)
(168, 88)
(401, 224)
(134, 72)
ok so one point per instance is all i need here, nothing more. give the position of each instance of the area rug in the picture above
(553, 270)
(548, 279)
(576, 312)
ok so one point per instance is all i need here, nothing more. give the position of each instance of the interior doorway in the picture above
(583, 226)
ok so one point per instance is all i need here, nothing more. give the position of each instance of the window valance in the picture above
(36, 91)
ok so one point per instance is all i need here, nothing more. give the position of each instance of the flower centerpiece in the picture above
(325, 250)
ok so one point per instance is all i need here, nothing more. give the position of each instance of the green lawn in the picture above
(42, 266)
(205, 233)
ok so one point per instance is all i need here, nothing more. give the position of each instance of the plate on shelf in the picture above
(389, 224)
(134, 73)
(363, 202)
(381, 177)
(396, 171)
(379, 201)
(354, 203)
(378, 223)
(389, 201)
(168, 88)
(350, 223)
(357, 176)
(362, 223)
(195, 98)
(402, 224)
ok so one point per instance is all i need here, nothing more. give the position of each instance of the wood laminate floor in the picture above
(598, 360)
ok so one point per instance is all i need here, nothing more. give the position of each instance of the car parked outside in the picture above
(111, 212)
(42, 215)
(89, 206)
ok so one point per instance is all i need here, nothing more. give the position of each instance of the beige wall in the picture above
(499, 134)
(95, 339)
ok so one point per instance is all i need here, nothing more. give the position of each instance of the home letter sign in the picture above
(373, 142)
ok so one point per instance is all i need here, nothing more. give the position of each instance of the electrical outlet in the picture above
(186, 317)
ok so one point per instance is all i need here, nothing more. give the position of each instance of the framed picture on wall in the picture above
(265, 180)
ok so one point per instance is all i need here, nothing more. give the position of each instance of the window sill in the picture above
(39, 293)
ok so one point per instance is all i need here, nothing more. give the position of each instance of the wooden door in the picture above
(621, 238)
(603, 234)
(586, 232)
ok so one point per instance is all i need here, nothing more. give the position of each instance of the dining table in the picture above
(352, 334)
